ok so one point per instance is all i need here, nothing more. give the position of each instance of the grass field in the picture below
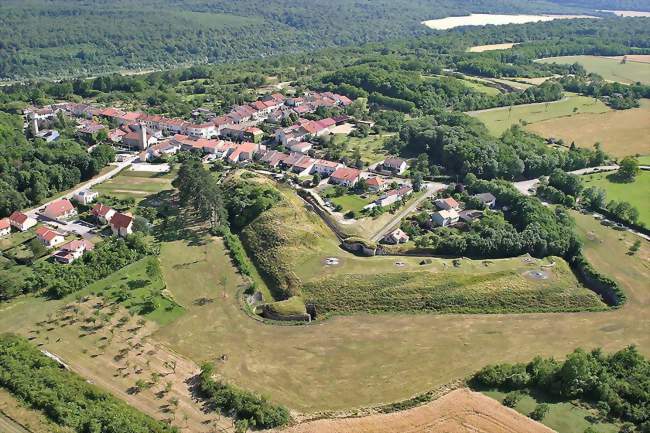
(355, 360)
(370, 147)
(349, 202)
(621, 133)
(16, 238)
(500, 287)
(499, 119)
(563, 417)
(609, 69)
(637, 193)
(479, 87)
(136, 184)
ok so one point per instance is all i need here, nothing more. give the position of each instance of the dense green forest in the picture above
(617, 385)
(57, 38)
(32, 170)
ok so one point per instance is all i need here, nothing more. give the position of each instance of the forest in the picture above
(617, 384)
(42, 38)
(32, 170)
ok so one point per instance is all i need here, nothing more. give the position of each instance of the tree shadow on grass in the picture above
(616, 178)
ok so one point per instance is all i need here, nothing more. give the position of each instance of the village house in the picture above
(49, 135)
(345, 176)
(139, 138)
(73, 250)
(487, 199)
(303, 166)
(301, 147)
(61, 209)
(393, 196)
(49, 237)
(102, 213)
(325, 168)
(394, 165)
(376, 184)
(273, 158)
(397, 236)
(445, 217)
(244, 152)
(121, 224)
(85, 196)
(5, 227)
(21, 222)
(446, 203)
(470, 215)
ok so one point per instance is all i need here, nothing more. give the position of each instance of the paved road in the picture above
(88, 184)
(431, 189)
(525, 185)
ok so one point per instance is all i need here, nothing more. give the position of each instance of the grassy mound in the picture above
(281, 236)
(451, 292)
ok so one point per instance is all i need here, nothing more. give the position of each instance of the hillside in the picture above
(55, 38)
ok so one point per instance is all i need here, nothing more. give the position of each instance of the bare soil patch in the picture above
(492, 47)
(459, 411)
(639, 58)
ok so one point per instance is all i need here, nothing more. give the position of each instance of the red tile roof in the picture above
(346, 173)
(77, 244)
(121, 220)
(5, 223)
(101, 210)
(47, 234)
(18, 217)
(59, 207)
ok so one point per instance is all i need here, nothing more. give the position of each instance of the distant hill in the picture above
(59, 38)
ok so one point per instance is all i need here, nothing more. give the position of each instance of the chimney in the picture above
(34, 125)
(143, 137)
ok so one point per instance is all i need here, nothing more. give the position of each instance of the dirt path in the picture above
(460, 411)
(7, 425)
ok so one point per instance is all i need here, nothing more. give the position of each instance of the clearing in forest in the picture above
(492, 47)
(635, 193)
(610, 69)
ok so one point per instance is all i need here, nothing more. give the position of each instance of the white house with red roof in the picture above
(61, 209)
(376, 184)
(244, 152)
(5, 227)
(103, 213)
(303, 166)
(394, 195)
(73, 250)
(326, 168)
(21, 221)
(345, 176)
(121, 224)
(49, 237)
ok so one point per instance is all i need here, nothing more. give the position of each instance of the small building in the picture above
(393, 196)
(121, 224)
(376, 184)
(49, 237)
(446, 203)
(5, 227)
(303, 166)
(21, 221)
(470, 215)
(73, 250)
(396, 237)
(394, 165)
(487, 199)
(253, 134)
(345, 176)
(103, 213)
(49, 135)
(61, 209)
(85, 196)
(273, 158)
(244, 152)
(325, 168)
(301, 147)
(445, 217)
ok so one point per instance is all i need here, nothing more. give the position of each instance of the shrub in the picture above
(539, 412)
